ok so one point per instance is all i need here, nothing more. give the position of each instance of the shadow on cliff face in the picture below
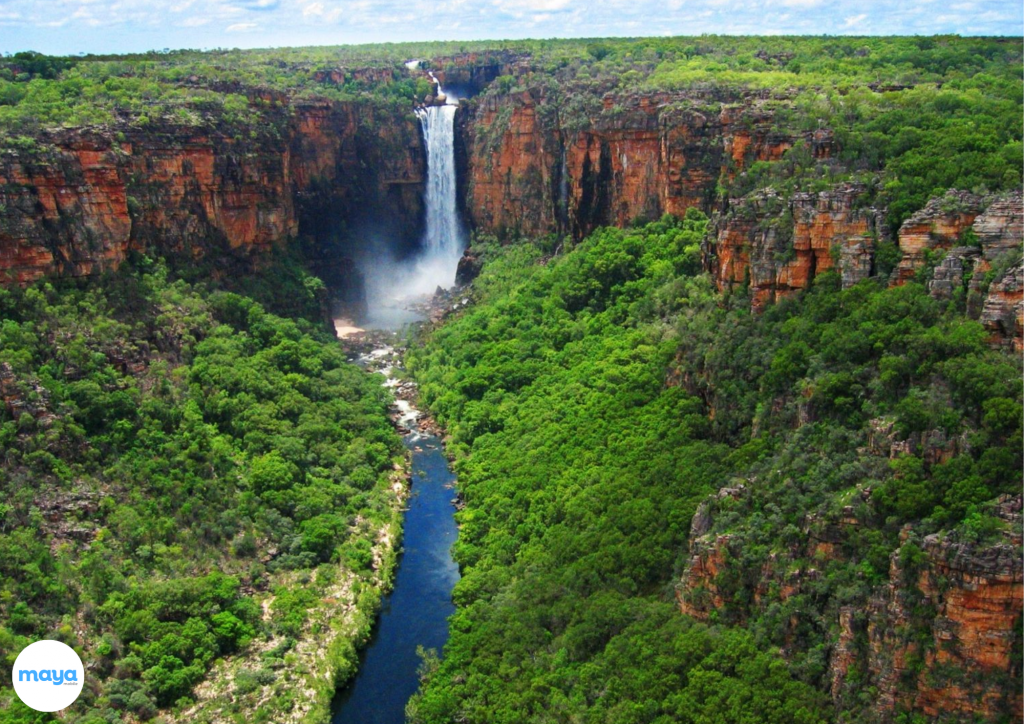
(355, 244)
(375, 272)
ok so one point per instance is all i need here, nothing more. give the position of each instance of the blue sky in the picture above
(71, 26)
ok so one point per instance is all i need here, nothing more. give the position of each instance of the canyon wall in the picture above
(959, 243)
(530, 163)
(976, 593)
(931, 639)
(777, 246)
(536, 164)
(78, 201)
(934, 634)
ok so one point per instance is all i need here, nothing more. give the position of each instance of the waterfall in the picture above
(444, 238)
(391, 282)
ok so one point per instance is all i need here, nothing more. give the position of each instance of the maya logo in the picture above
(54, 676)
(48, 675)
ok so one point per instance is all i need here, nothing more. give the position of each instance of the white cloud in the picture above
(854, 20)
(240, 28)
(802, 3)
(534, 5)
(313, 10)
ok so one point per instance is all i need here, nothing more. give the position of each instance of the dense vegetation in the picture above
(595, 398)
(905, 145)
(173, 457)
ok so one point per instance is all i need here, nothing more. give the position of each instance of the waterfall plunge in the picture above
(392, 285)
(443, 242)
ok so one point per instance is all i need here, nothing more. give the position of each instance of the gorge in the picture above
(730, 380)
(414, 615)
(75, 206)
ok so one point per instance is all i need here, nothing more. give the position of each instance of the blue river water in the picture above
(416, 611)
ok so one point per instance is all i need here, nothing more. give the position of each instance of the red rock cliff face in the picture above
(995, 286)
(78, 203)
(976, 592)
(473, 71)
(1003, 311)
(930, 640)
(937, 227)
(777, 247)
(532, 165)
(1000, 231)
(535, 167)
(67, 210)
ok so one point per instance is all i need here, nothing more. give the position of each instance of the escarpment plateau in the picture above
(531, 162)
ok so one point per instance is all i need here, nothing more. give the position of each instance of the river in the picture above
(416, 611)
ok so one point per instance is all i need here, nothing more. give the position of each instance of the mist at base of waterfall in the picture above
(416, 277)
(396, 291)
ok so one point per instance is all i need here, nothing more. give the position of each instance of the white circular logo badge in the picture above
(48, 675)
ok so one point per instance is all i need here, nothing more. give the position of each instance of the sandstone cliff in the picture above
(530, 163)
(540, 163)
(777, 246)
(535, 162)
(1000, 232)
(988, 271)
(930, 639)
(938, 227)
(973, 594)
(79, 200)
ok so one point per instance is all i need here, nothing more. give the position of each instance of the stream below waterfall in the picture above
(416, 611)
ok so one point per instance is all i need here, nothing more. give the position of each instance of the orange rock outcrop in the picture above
(977, 592)
(536, 167)
(937, 227)
(777, 246)
(929, 639)
(78, 202)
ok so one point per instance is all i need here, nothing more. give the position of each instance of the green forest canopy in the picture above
(581, 468)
